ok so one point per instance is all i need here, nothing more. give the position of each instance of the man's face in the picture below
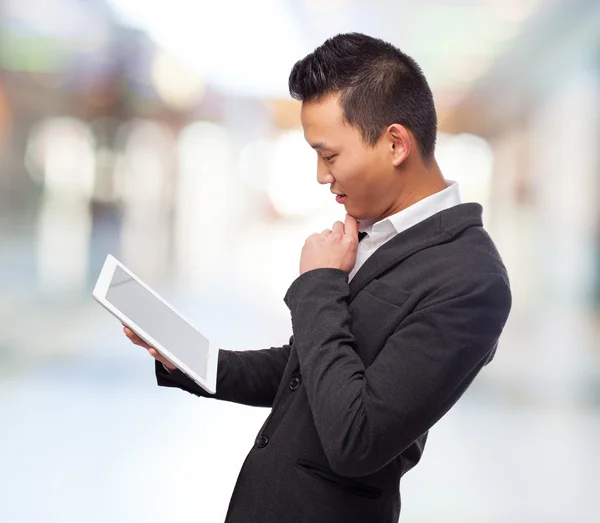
(364, 174)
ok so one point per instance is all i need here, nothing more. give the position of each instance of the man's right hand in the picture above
(136, 340)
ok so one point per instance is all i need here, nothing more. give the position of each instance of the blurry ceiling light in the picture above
(253, 161)
(175, 83)
(207, 202)
(204, 147)
(513, 10)
(149, 158)
(204, 183)
(293, 189)
(61, 155)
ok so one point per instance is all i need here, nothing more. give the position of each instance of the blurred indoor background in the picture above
(162, 132)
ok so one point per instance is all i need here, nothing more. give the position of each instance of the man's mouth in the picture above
(340, 198)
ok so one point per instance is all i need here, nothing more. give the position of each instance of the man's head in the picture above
(368, 111)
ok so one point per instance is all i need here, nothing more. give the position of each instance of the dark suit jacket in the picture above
(371, 366)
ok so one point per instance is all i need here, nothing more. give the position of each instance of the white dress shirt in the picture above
(384, 230)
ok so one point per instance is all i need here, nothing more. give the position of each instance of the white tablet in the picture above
(155, 321)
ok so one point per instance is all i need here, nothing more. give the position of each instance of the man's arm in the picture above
(367, 417)
(249, 377)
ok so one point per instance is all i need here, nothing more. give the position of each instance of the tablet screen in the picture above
(159, 321)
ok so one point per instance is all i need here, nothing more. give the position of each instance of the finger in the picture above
(141, 343)
(351, 226)
(326, 231)
(156, 355)
(159, 357)
(136, 340)
(338, 228)
(131, 335)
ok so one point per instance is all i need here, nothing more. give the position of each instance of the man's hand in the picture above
(332, 249)
(136, 340)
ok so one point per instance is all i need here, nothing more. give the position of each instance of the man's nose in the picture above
(323, 174)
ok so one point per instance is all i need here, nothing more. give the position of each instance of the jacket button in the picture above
(262, 441)
(295, 383)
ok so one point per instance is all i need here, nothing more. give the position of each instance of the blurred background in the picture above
(162, 132)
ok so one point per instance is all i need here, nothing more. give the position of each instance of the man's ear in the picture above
(400, 143)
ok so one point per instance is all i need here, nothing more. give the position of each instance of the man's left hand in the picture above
(334, 248)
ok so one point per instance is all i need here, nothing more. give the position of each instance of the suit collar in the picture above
(440, 228)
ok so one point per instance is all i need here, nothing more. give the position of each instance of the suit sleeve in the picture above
(249, 377)
(365, 417)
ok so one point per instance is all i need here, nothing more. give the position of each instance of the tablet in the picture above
(136, 305)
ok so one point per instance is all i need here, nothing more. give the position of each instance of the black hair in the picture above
(378, 84)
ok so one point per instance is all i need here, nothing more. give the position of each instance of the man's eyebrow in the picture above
(319, 145)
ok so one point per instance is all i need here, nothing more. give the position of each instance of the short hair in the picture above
(378, 84)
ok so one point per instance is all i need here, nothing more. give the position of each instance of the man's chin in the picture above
(363, 221)
(362, 217)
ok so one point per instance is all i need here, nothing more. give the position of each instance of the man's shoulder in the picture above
(464, 266)
(472, 253)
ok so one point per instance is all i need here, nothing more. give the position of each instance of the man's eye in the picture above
(329, 158)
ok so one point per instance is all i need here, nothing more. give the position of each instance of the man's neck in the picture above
(420, 181)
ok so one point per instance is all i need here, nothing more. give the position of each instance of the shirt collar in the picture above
(419, 211)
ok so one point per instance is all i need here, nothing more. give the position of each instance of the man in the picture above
(388, 332)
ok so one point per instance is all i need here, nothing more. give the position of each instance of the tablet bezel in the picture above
(99, 294)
